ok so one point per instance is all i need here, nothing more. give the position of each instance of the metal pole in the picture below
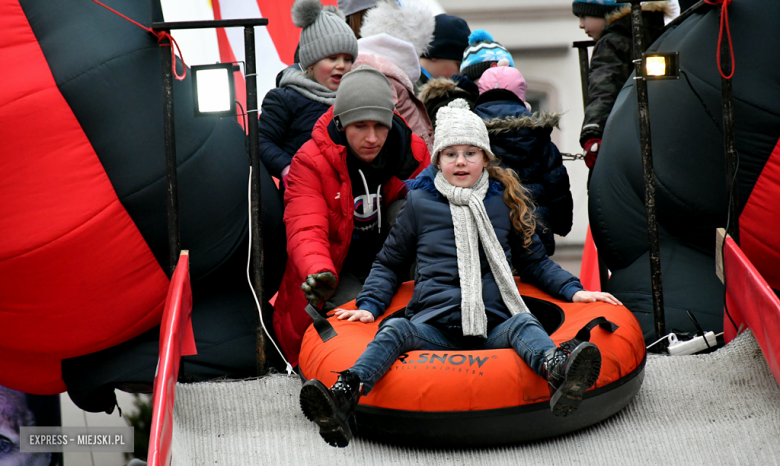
(649, 173)
(174, 239)
(254, 157)
(582, 48)
(729, 139)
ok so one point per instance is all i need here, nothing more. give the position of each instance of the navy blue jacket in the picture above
(424, 231)
(286, 122)
(521, 141)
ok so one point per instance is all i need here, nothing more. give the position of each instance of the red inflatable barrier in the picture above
(77, 275)
(751, 302)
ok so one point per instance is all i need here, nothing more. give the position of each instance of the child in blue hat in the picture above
(608, 22)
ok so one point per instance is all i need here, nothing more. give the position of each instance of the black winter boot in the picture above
(333, 410)
(570, 370)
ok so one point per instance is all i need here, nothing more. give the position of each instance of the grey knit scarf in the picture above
(472, 225)
(307, 87)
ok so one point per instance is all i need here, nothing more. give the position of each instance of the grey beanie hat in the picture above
(457, 124)
(364, 95)
(325, 32)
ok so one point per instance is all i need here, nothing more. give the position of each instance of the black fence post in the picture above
(174, 238)
(582, 49)
(649, 174)
(254, 157)
(729, 139)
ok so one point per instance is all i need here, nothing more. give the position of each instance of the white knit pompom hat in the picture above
(457, 124)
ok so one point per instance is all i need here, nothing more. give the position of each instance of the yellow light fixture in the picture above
(655, 66)
(661, 65)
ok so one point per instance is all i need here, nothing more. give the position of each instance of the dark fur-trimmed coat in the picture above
(521, 140)
(611, 63)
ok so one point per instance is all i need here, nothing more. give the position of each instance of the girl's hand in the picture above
(355, 316)
(593, 296)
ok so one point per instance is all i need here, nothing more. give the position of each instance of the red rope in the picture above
(161, 36)
(724, 19)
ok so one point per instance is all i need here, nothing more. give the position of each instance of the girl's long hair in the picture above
(355, 22)
(517, 197)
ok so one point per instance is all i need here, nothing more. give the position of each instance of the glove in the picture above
(466, 84)
(319, 287)
(591, 147)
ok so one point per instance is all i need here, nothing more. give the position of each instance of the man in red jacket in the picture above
(342, 193)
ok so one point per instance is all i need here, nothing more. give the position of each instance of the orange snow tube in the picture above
(481, 397)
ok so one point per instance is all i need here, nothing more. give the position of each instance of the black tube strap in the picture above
(321, 324)
(584, 333)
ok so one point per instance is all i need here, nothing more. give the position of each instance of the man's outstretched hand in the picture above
(319, 287)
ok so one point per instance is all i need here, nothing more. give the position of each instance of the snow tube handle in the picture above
(321, 324)
(584, 333)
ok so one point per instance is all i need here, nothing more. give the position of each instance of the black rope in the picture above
(723, 246)
(243, 114)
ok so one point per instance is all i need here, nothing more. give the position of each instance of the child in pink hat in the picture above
(503, 76)
(521, 140)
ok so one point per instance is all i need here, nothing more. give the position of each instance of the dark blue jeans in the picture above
(523, 332)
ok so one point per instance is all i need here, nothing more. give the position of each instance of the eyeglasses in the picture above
(471, 155)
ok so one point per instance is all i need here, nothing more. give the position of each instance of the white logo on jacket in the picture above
(367, 206)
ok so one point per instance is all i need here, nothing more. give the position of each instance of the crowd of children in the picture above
(405, 142)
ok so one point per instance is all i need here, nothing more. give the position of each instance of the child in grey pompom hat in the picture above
(325, 32)
(364, 95)
(327, 49)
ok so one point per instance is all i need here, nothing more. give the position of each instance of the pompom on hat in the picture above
(409, 20)
(457, 124)
(481, 54)
(325, 32)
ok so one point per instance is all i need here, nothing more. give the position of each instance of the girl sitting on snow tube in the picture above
(465, 296)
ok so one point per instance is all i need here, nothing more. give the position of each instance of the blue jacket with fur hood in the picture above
(521, 141)
(424, 231)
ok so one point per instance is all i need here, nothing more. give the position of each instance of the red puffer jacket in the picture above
(318, 216)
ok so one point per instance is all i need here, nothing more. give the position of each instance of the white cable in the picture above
(370, 205)
(248, 262)
(673, 340)
(379, 207)
(657, 341)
